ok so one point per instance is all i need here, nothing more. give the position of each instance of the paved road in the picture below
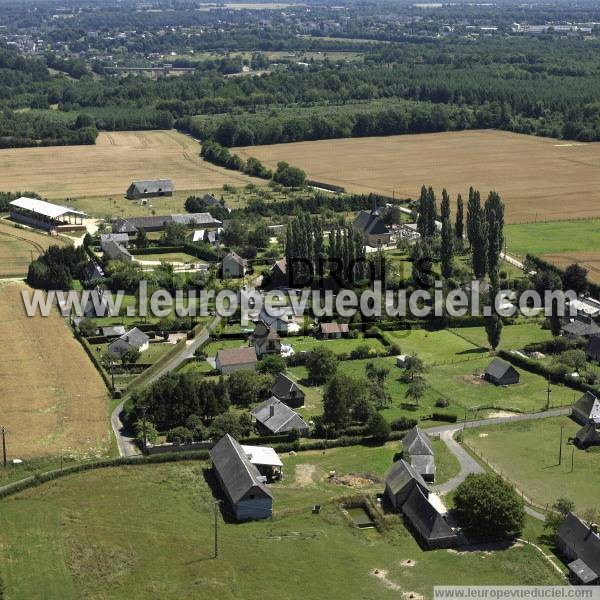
(468, 465)
(126, 444)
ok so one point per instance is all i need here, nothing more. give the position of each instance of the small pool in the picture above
(360, 517)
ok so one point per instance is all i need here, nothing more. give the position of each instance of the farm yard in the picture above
(538, 178)
(18, 246)
(108, 168)
(53, 400)
(530, 460)
(315, 551)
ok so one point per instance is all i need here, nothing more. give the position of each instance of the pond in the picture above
(360, 517)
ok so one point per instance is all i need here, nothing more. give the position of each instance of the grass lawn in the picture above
(343, 345)
(556, 237)
(530, 460)
(514, 337)
(66, 539)
(169, 257)
(460, 383)
(213, 347)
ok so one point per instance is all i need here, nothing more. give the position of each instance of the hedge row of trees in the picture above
(56, 268)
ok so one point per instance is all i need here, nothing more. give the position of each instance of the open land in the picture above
(18, 246)
(53, 402)
(538, 178)
(108, 167)
(100, 551)
(531, 462)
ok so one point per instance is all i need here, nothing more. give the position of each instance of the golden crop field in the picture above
(19, 246)
(538, 178)
(111, 165)
(53, 400)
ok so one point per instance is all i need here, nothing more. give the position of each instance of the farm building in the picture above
(331, 331)
(417, 447)
(592, 349)
(241, 481)
(372, 228)
(207, 236)
(131, 225)
(235, 359)
(500, 372)
(265, 340)
(427, 522)
(113, 331)
(45, 215)
(233, 266)
(584, 327)
(287, 320)
(119, 238)
(273, 417)
(115, 251)
(587, 437)
(586, 307)
(150, 188)
(134, 339)
(587, 410)
(266, 460)
(400, 481)
(287, 391)
(579, 543)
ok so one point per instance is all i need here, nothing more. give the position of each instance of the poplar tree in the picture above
(447, 247)
(459, 226)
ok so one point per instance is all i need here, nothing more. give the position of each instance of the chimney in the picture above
(272, 410)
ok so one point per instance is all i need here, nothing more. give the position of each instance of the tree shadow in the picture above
(473, 351)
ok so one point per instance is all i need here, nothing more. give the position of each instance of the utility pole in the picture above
(4, 444)
(560, 446)
(216, 504)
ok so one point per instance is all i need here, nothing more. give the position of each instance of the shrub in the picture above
(442, 403)
(403, 424)
(446, 417)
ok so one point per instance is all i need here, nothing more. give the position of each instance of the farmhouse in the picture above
(584, 327)
(273, 417)
(45, 215)
(330, 331)
(265, 340)
(579, 543)
(133, 339)
(241, 481)
(417, 447)
(233, 266)
(500, 372)
(119, 238)
(587, 410)
(285, 321)
(150, 188)
(235, 359)
(287, 391)
(372, 228)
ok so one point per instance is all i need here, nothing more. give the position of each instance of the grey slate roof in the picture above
(120, 238)
(424, 517)
(577, 535)
(417, 441)
(151, 186)
(588, 436)
(282, 420)
(370, 223)
(203, 218)
(582, 409)
(237, 474)
(498, 368)
(92, 272)
(134, 338)
(284, 387)
(113, 331)
(115, 251)
(233, 256)
(400, 475)
(593, 346)
(582, 328)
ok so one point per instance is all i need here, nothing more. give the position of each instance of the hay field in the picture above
(19, 246)
(109, 167)
(538, 178)
(589, 260)
(53, 400)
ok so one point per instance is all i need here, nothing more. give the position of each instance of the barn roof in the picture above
(498, 368)
(153, 186)
(236, 472)
(46, 209)
(284, 387)
(370, 223)
(584, 407)
(416, 441)
(283, 417)
(425, 518)
(236, 356)
(201, 218)
(400, 474)
(582, 328)
(578, 536)
(588, 436)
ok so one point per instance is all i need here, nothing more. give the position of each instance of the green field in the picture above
(69, 539)
(170, 257)
(555, 237)
(530, 460)
(343, 345)
(514, 337)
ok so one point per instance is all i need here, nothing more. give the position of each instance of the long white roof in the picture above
(47, 209)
